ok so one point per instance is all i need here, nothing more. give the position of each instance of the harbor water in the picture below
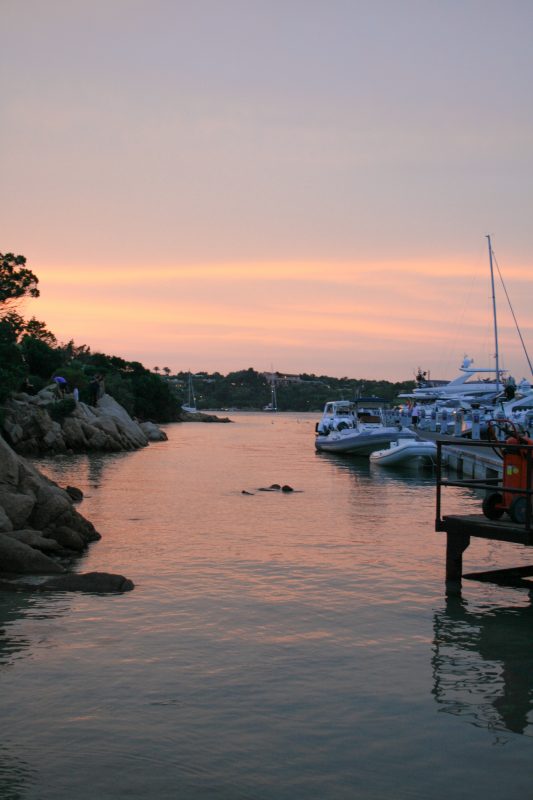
(277, 646)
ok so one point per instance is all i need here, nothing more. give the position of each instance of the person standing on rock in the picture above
(61, 385)
(94, 388)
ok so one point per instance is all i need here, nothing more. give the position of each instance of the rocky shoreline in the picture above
(41, 425)
(41, 531)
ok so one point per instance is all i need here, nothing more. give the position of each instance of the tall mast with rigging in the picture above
(496, 354)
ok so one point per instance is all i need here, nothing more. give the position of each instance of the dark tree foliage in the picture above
(38, 330)
(153, 399)
(252, 390)
(40, 358)
(16, 280)
(12, 367)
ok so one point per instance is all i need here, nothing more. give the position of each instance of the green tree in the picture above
(38, 330)
(12, 368)
(40, 358)
(16, 281)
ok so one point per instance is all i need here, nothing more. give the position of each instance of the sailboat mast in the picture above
(496, 354)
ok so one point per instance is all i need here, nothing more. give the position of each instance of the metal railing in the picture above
(492, 484)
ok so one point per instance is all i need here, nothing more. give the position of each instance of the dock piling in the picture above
(456, 544)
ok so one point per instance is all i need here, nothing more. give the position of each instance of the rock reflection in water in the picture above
(483, 665)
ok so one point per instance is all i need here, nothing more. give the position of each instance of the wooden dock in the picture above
(460, 529)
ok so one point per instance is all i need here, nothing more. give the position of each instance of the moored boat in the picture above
(356, 427)
(190, 405)
(406, 452)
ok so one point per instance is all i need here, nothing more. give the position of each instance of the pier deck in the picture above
(478, 525)
(460, 528)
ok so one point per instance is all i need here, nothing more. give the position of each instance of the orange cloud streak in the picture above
(347, 309)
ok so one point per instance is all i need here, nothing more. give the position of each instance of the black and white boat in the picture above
(356, 427)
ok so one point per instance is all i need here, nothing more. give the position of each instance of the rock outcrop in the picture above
(30, 429)
(40, 530)
(153, 432)
(201, 416)
(94, 582)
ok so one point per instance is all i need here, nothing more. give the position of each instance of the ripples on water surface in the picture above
(275, 646)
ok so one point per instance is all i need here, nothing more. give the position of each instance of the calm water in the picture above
(275, 646)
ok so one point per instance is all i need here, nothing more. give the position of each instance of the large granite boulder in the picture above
(36, 515)
(153, 432)
(29, 428)
(94, 582)
(17, 505)
(9, 465)
(40, 528)
(91, 582)
(5, 522)
(130, 430)
(16, 556)
(36, 540)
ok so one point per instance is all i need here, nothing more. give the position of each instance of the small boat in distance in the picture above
(273, 405)
(190, 405)
(413, 452)
(356, 427)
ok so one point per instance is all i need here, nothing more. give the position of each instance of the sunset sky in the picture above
(303, 184)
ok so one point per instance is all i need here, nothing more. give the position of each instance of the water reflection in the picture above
(483, 665)
(362, 467)
(21, 616)
(15, 774)
(84, 470)
(12, 608)
(17, 641)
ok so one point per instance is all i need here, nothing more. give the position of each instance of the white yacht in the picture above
(356, 427)
(465, 387)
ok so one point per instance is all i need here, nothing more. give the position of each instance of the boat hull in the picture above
(406, 453)
(355, 442)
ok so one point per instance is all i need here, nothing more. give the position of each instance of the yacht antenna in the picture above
(496, 354)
